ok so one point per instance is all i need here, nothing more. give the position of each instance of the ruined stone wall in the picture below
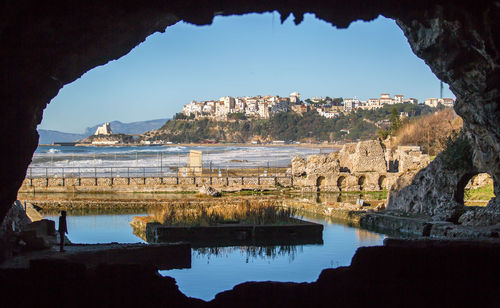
(358, 166)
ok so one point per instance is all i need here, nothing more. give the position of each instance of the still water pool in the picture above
(217, 269)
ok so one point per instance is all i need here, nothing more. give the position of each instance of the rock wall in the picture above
(47, 46)
(428, 194)
(460, 43)
(438, 190)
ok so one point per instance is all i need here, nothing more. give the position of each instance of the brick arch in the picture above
(320, 182)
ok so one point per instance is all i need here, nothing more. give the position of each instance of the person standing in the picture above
(63, 229)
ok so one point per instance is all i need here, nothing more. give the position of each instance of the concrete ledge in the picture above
(301, 232)
(390, 224)
(159, 256)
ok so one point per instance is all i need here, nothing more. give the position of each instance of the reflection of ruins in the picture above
(362, 166)
(253, 252)
(364, 236)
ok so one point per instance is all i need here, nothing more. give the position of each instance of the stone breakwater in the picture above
(151, 184)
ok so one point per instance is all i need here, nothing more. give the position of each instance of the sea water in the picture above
(166, 158)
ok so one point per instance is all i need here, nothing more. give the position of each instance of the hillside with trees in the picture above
(430, 132)
(287, 126)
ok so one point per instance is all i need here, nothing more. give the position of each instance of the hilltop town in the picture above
(275, 119)
(264, 107)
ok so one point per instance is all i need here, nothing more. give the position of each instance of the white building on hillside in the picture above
(386, 99)
(350, 104)
(431, 102)
(192, 108)
(295, 98)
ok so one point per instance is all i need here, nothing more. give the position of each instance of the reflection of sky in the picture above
(100, 228)
(213, 273)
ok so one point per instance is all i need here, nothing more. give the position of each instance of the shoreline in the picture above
(302, 145)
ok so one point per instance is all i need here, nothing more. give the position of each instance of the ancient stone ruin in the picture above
(362, 166)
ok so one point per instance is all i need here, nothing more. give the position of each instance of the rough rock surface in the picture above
(209, 191)
(15, 221)
(425, 193)
(411, 158)
(322, 164)
(40, 234)
(480, 217)
(364, 156)
(298, 166)
(460, 44)
(315, 165)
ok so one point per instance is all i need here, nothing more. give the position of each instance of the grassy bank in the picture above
(254, 212)
(479, 196)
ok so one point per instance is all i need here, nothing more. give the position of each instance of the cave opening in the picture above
(475, 189)
(442, 33)
(125, 85)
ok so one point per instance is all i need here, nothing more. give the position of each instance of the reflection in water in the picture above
(365, 236)
(99, 228)
(214, 270)
(325, 197)
(251, 252)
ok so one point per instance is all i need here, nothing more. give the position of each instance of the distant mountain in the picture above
(49, 136)
(133, 128)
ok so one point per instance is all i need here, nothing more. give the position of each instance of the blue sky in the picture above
(243, 55)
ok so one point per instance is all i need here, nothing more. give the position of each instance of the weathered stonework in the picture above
(410, 158)
(428, 194)
(364, 156)
(358, 166)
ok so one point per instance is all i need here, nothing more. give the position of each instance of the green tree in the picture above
(179, 116)
(337, 101)
(395, 121)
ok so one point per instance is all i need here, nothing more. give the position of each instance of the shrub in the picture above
(458, 152)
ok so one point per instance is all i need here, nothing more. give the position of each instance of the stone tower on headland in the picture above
(104, 129)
